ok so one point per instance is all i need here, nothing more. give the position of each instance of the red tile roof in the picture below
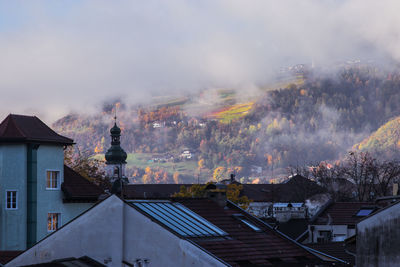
(76, 188)
(20, 128)
(342, 213)
(245, 245)
(7, 255)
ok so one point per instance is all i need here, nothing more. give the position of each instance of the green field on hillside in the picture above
(143, 160)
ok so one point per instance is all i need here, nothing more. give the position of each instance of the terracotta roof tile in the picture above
(20, 128)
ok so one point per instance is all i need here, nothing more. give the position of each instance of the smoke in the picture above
(58, 56)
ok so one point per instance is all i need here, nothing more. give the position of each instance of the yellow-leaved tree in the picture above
(232, 193)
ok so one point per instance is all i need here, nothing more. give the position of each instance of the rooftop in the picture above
(76, 188)
(297, 189)
(344, 213)
(248, 239)
(7, 255)
(20, 128)
(336, 249)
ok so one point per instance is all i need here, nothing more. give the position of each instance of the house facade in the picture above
(32, 202)
(338, 221)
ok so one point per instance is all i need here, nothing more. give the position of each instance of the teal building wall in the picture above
(13, 176)
(23, 168)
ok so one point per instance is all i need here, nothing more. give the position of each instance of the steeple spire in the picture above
(115, 115)
(115, 154)
(116, 159)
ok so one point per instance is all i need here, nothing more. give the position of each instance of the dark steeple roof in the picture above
(20, 128)
(115, 154)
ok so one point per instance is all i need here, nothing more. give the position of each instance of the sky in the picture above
(63, 56)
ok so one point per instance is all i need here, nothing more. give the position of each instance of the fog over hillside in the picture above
(62, 56)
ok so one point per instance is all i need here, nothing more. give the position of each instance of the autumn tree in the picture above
(233, 193)
(87, 166)
(219, 173)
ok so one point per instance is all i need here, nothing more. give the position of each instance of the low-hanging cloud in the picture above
(72, 55)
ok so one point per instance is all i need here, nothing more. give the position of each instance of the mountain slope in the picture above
(385, 141)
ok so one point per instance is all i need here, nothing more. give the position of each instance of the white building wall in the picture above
(145, 239)
(337, 230)
(113, 231)
(378, 239)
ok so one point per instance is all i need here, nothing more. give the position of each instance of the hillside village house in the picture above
(38, 193)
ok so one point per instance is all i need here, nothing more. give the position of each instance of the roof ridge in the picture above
(16, 124)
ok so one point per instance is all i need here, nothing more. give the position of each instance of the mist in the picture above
(63, 56)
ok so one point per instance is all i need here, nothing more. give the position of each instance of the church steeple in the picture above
(115, 154)
(116, 160)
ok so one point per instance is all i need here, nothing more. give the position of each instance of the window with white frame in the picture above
(11, 200)
(53, 221)
(52, 180)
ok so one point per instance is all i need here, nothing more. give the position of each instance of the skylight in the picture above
(243, 219)
(364, 212)
(180, 219)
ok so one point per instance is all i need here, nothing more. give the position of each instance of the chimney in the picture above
(217, 193)
(395, 189)
(232, 178)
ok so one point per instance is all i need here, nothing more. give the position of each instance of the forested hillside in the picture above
(319, 118)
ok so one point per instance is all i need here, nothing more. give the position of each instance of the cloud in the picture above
(74, 54)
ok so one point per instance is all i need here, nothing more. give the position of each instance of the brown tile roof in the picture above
(7, 255)
(77, 188)
(336, 249)
(151, 191)
(341, 213)
(297, 189)
(20, 128)
(293, 228)
(246, 245)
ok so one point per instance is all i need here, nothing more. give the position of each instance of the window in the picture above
(53, 222)
(11, 200)
(52, 179)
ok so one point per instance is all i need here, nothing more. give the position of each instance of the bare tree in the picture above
(357, 169)
(359, 176)
(383, 175)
